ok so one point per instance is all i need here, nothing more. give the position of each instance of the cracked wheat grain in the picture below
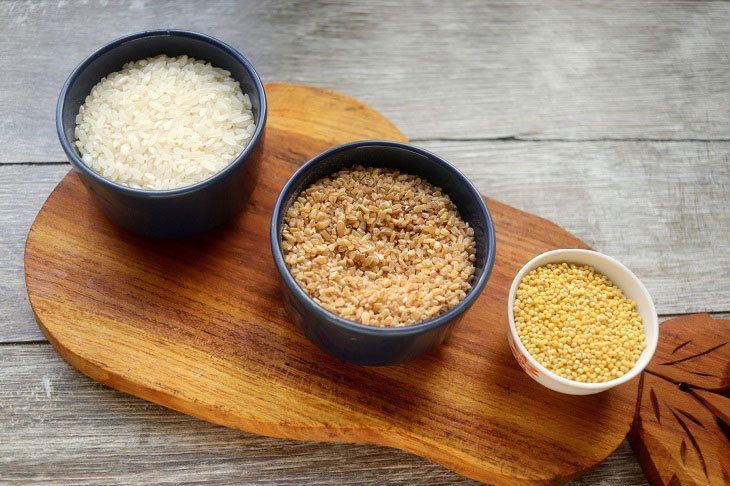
(379, 247)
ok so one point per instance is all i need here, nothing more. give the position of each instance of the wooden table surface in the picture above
(608, 118)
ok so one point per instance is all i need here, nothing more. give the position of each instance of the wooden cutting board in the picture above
(197, 325)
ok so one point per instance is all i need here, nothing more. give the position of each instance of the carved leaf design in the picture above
(680, 432)
(694, 350)
(683, 452)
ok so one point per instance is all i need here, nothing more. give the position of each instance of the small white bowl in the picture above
(621, 277)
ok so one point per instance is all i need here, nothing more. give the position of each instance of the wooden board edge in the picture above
(363, 435)
(339, 97)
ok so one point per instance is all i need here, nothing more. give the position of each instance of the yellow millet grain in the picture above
(379, 247)
(575, 322)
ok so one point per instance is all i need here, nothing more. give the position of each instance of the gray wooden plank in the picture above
(526, 69)
(23, 189)
(662, 209)
(60, 427)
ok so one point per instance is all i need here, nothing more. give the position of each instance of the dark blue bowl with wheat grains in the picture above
(360, 343)
(173, 212)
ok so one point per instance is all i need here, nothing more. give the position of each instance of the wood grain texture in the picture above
(197, 325)
(526, 69)
(60, 427)
(663, 209)
(681, 433)
(23, 189)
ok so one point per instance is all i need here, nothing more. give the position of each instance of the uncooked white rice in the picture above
(379, 247)
(163, 123)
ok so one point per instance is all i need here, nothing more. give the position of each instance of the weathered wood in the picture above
(530, 69)
(198, 325)
(60, 427)
(680, 430)
(533, 69)
(663, 209)
(23, 189)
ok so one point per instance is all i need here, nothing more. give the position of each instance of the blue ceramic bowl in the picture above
(175, 212)
(368, 345)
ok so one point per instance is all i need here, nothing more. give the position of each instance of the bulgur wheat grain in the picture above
(379, 247)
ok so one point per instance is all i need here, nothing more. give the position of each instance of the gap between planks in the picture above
(508, 138)
(524, 139)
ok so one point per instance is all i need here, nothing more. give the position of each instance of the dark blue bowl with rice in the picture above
(354, 341)
(176, 211)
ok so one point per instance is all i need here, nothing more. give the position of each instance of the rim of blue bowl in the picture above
(283, 268)
(260, 119)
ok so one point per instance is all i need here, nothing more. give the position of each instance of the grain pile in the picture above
(163, 123)
(379, 247)
(575, 322)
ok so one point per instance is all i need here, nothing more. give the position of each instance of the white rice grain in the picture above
(163, 123)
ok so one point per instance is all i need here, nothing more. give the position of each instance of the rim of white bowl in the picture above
(569, 253)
